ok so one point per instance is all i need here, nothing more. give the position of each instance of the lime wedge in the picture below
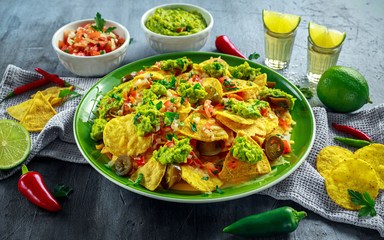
(323, 37)
(15, 144)
(279, 22)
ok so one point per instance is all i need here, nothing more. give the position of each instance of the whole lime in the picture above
(343, 89)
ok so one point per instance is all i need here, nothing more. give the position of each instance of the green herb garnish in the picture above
(219, 190)
(67, 51)
(159, 105)
(67, 92)
(363, 200)
(100, 22)
(61, 191)
(205, 178)
(170, 136)
(138, 180)
(193, 126)
(254, 56)
(306, 92)
(130, 41)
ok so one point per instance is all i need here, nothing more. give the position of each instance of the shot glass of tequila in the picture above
(324, 48)
(279, 33)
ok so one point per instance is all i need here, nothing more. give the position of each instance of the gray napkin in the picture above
(305, 186)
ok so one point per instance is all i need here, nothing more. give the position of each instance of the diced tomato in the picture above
(207, 109)
(233, 163)
(211, 167)
(167, 104)
(133, 93)
(93, 35)
(264, 111)
(220, 106)
(193, 142)
(283, 124)
(222, 79)
(186, 100)
(196, 78)
(139, 160)
(140, 72)
(235, 96)
(170, 144)
(287, 146)
(208, 125)
(194, 162)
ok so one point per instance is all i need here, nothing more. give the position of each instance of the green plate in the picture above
(303, 133)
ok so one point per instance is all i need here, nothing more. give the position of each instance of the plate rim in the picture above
(154, 195)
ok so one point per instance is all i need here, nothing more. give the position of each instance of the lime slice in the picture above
(15, 144)
(279, 22)
(323, 37)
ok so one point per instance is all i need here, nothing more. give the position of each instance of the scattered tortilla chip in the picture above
(38, 114)
(18, 111)
(257, 127)
(200, 133)
(329, 157)
(374, 155)
(120, 137)
(194, 176)
(153, 172)
(52, 94)
(354, 174)
(243, 170)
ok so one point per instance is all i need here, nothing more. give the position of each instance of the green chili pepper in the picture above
(276, 221)
(353, 142)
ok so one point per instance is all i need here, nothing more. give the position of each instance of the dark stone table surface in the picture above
(99, 209)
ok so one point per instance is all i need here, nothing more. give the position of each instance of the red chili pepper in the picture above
(27, 87)
(353, 131)
(54, 78)
(226, 46)
(31, 185)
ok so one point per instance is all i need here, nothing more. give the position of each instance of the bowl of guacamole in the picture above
(176, 27)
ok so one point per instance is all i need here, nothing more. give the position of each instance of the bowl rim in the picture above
(78, 22)
(145, 16)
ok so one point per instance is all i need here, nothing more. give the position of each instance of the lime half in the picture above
(15, 144)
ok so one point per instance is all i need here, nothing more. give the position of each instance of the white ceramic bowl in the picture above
(91, 66)
(166, 44)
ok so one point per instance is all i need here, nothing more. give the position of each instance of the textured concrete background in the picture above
(99, 209)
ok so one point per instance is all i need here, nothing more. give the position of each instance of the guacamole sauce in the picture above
(248, 109)
(246, 151)
(176, 154)
(175, 22)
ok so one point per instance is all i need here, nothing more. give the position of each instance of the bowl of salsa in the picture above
(91, 47)
(176, 27)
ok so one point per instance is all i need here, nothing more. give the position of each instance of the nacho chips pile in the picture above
(187, 124)
(34, 113)
(360, 171)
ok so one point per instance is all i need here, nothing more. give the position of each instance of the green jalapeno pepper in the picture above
(353, 142)
(276, 221)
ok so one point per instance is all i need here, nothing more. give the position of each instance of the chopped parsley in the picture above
(193, 127)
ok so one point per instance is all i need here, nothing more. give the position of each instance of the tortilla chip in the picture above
(241, 85)
(18, 111)
(52, 94)
(260, 80)
(194, 176)
(120, 137)
(243, 170)
(257, 127)
(235, 117)
(214, 83)
(215, 134)
(374, 155)
(354, 174)
(153, 172)
(329, 157)
(38, 114)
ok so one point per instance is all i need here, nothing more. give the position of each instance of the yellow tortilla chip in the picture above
(243, 170)
(235, 117)
(354, 174)
(194, 176)
(18, 111)
(213, 83)
(241, 85)
(257, 127)
(153, 172)
(38, 114)
(329, 157)
(200, 133)
(260, 80)
(52, 94)
(120, 137)
(374, 155)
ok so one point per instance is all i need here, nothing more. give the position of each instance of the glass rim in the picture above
(294, 30)
(314, 44)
